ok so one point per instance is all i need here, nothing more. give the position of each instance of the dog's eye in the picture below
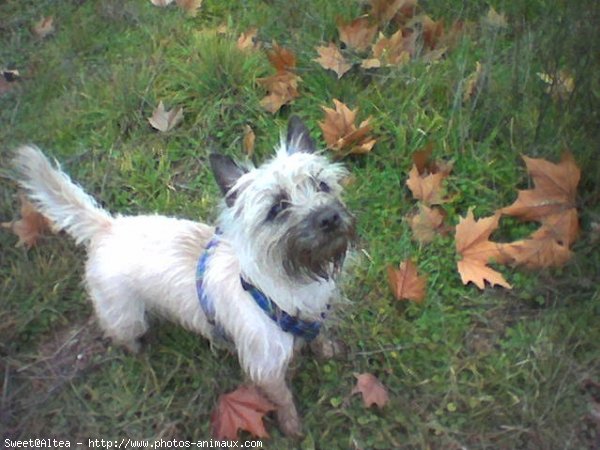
(279, 206)
(324, 187)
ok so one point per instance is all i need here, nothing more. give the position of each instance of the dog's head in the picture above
(287, 215)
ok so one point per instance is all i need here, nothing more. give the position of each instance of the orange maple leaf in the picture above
(242, 409)
(406, 283)
(357, 34)
(372, 390)
(552, 201)
(30, 226)
(330, 57)
(281, 58)
(426, 223)
(476, 251)
(340, 132)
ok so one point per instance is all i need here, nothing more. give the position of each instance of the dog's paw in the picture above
(289, 422)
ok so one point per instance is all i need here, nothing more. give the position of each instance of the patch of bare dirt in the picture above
(29, 382)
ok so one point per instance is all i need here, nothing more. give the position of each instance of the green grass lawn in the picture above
(494, 369)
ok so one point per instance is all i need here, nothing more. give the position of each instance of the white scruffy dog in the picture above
(263, 279)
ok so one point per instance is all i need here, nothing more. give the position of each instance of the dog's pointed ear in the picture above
(226, 172)
(298, 137)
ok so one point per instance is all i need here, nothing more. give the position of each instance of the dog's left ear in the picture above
(298, 138)
(226, 173)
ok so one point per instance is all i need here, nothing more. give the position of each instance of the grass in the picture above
(466, 369)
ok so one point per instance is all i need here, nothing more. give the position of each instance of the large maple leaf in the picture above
(552, 201)
(282, 88)
(331, 58)
(476, 251)
(357, 34)
(340, 132)
(242, 409)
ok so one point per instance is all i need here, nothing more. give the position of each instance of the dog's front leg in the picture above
(279, 393)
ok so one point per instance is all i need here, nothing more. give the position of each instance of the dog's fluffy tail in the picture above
(57, 197)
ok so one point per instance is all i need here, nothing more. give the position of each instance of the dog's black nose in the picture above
(328, 220)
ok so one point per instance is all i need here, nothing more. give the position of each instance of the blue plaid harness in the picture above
(305, 329)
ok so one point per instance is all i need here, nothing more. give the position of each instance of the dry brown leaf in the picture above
(282, 88)
(552, 202)
(249, 138)
(164, 120)
(476, 251)
(473, 82)
(281, 58)
(560, 85)
(342, 135)
(427, 223)
(495, 19)
(331, 58)
(432, 31)
(426, 187)
(405, 282)
(189, 6)
(30, 226)
(44, 27)
(357, 34)
(372, 390)
(392, 51)
(242, 409)
(247, 40)
(385, 10)
(539, 252)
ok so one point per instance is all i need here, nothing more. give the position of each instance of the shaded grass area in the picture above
(492, 369)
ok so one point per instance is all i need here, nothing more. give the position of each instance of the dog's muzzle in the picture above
(316, 246)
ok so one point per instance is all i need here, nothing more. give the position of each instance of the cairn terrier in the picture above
(262, 281)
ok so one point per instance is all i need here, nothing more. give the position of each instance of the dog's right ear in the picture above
(226, 173)
(298, 137)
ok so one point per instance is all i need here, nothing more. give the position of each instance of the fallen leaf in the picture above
(282, 88)
(372, 390)
(357, 34)
(385, 10)
(44, 27)
(495, 19)
(392, 51)
(426, 187)
(249, 138)
(331, 58)
(247, 40)
(539, 252)
(242, 409)
(281, 58)
(342, 135)
(432, 31)
(552, 202)
(161, 3)
(164, 120)
(189, 6)
(560, 85)
(476, 251)
(427, 223)
(405, 282)
(30, 226)
(473, 82)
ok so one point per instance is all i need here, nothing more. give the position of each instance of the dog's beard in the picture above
(310, 252)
